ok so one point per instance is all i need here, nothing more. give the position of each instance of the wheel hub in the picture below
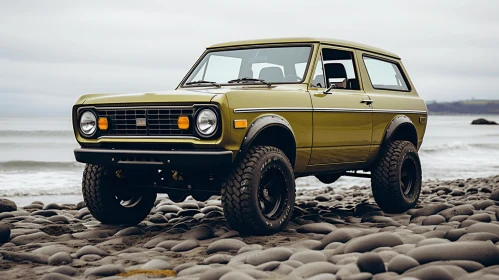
(271, 193)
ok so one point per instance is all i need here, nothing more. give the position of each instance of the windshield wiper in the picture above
(248, 79)
(202, 82)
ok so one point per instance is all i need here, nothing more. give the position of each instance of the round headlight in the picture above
(206, 122)
(88, 123)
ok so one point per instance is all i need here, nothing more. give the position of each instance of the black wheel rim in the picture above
(272, 193)
(408, 176)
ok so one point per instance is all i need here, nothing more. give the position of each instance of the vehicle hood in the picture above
(173, 96)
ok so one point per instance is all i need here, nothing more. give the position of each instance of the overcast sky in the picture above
(51, 52)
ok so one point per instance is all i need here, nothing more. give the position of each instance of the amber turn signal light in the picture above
(240, 123)
(183, 122)
(103, 124)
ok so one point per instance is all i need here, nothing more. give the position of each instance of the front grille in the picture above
(158, 121)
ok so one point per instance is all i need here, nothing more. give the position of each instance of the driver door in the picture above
(342, 117)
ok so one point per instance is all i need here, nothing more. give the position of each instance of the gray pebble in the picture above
(168, 244)
(227, 245)
(185, 245)
(401, 263)
(218, 258)
(55, 276)
(322, 228)
(4, 232)
(30, 238)
(272, 254)
(129, 231)
(372, 241)
(66, 270)
(156, 264)
(88, 250)
(199, 233)
(215, 273)
(252, 247)
(314, 268)
(433, 220)
(308, 256)
(236, 275)
(60, 259)
(371, 263)
(7, 205)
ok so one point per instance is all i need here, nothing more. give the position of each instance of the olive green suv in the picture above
(247, 120)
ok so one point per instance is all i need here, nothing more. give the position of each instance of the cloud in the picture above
(52, 52)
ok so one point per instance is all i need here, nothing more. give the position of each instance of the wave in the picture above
(37, 133)
(27, 165)
(458, 145)
(75, 190)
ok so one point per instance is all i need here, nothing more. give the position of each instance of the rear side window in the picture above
(385, 75)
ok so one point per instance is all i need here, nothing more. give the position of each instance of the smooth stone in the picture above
(215, 273)
(52, 249)
(30, 238)
(90, 250)
(494, 195)
(193, 270)
(401, 263)
(44, 213)
(236, 275)
(4, 232)
(272, 254)
(322, 228)
(156, 264)
(154, 242)
(455, 234)
(7, 205)
(129, 231)
(466, 209)
(430, 273)
(481, 217)
(484, 227)
(429, 210)
(158, 219)
(483, 252)
(308, 256)
(269, 266)
(168, 244)
(433, 220)
(66, 270)
(372, 241)
(308, 244)
(227, 245)
(479, 236)
(199, 233)
(230, 234)
(248, 248)
(52, 206)
(314, 268)
(60, 259)
(185, 245)
(169, 209)
(55, 276)
(431, 241)
(459, 218)
(323, 276)
(342, 235)
(90, 258)
(467, 223)
(218, 258)
(104, 270)
(184, 266)
(23, 256)
(371, 262)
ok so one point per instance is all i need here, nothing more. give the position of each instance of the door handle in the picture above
(367, 101)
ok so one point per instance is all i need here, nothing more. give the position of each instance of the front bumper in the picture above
(178, 159)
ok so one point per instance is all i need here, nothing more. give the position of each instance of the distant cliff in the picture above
(482, 107)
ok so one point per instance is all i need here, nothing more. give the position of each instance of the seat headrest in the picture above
(335, 70)
(271, 74)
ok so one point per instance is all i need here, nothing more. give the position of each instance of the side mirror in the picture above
(335, 83)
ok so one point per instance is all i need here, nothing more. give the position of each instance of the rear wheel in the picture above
(109, 199)
(396, 177)
(259, 196)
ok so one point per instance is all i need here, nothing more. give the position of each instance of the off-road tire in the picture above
(386, 177)
(240, 192)
(99, 188)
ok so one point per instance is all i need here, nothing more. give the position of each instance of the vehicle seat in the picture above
(319, 81)
(271, 74)
(335, 70)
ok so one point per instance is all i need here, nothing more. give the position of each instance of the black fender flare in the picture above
(397, 123)
(258, 126)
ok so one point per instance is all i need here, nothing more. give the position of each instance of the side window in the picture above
(339, 64)
(318, 80)
(221, 68)
(385, 75)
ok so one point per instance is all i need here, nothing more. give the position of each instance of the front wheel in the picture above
(396, 177)
(110, 201)
(259, 196)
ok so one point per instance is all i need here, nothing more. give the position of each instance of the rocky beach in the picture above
(334, 234)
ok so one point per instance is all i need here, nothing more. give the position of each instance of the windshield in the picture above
(254, 65)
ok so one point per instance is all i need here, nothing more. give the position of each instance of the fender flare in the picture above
(397, 123)
(259, 125)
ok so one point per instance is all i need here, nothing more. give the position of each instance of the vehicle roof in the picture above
(327, 41)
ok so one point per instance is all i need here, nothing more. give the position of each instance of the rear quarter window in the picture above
(385, 75)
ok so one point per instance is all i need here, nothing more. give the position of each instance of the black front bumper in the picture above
(178, 159)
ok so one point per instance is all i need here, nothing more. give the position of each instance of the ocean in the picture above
(37, 162)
